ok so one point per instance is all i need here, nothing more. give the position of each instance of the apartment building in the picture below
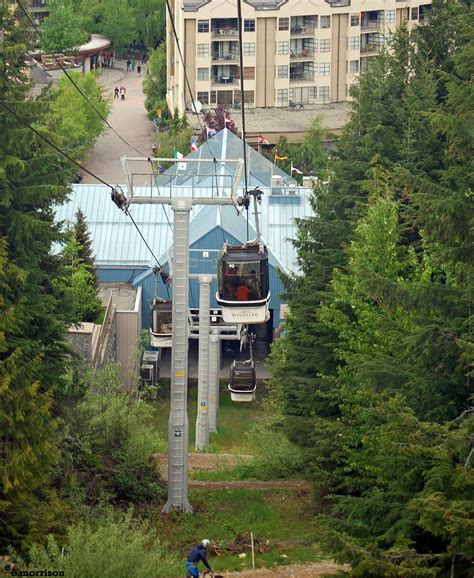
(295, 52)
(39, 10)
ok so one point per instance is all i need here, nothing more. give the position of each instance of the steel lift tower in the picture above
(181, 199)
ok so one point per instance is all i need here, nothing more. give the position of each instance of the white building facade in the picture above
(295, 52)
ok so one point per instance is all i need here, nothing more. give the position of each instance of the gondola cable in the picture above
(118, 196)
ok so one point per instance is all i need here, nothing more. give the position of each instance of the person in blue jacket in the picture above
(197, 554)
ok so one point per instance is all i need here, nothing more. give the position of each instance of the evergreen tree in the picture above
(372, 374)
(84, 242)
(32, 321)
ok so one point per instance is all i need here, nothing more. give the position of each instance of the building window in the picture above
(249, 72)
(249, 25)
(324, 69)
(390, 16)
(282, 97)
(203, 49)
(353, 67)
(203, 97)
(388, 38)
(203, 73)
(325, 22)
(355, 19)
(325, 45)
(324, 93)
(203, 25)
(213, 97)
(282, 71)
(353, 43)
(283, 47)
(249, 96)
(283, 23)
(414, 13)
(249, 48)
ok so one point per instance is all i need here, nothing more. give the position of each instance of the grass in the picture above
(280, 520)
(233, 421)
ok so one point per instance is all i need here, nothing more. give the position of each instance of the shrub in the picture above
(108, 442)
(274, 455)
(117, 545)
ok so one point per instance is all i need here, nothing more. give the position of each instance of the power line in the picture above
(188, 86)
(52, 145)
(99, 114)
(74, 162)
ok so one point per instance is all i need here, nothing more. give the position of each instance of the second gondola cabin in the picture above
(161, 331)
(243, 285)
(243, 381)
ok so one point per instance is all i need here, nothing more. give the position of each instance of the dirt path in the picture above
(251, 485)
(315, 570)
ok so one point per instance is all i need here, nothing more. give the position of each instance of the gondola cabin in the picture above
(243, 381)
(161, 323)
(243, 284)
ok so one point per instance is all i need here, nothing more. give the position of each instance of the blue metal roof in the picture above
(116, 243)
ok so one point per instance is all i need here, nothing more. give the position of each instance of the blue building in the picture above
(122, 257)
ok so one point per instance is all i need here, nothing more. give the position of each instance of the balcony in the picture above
(302, 77)
(225, 33)
(228, 80)
(338, 3)
(303, 54)
(370, 49)
(222, 58)
(371, 26)
(299, 31)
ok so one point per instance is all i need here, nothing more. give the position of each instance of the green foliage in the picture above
(70, 118)
(108, 443)
(154, 85)
(32, 323)
(77, 285)
(114, 545)
(136, 21)
(372, 373)
(61, 30)
(274, 456)
(310, 156)
(82, 237)
(177, 138)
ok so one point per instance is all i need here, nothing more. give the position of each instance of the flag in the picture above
(177, 154)
(279, 158)
(262, 140)
(228, 121)
(210, 131)
(194, 147)
(297, 171)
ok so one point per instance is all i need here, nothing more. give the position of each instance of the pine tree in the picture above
(83, 239)
(372, 374)
(32, 320)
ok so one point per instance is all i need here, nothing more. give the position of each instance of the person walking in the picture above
(122, 93)
(199, 553)
(128, 65)
(116, 92)
(139, 69)
(133, 64)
